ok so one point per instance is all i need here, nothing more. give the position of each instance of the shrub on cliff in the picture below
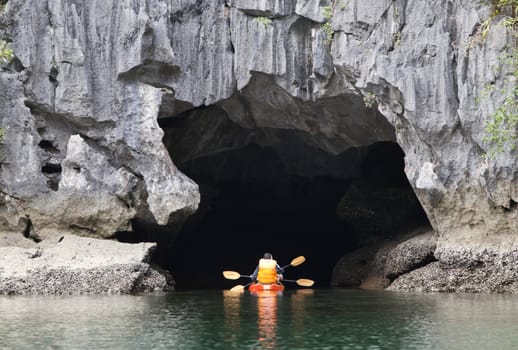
(501, 125)
(1, 142)
(6, 53)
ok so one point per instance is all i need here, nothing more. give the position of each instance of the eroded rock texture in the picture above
(79, 265)
(83, 149)
(377, 265)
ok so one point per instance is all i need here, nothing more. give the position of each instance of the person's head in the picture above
(267, 256)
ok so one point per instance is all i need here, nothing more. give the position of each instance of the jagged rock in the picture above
(465, 267)
(376, 265)
(15, 240)
(410, 255)
(363, 268)
(380, 211)
(101, 69)
(78, 265)
(434, 278)
(118, 168)
(353, 268)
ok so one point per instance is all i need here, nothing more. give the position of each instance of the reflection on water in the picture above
(304, 319)
(298, 308)
(267, 318)
(231, 310)
(267, 315)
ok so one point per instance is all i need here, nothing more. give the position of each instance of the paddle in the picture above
(295, 262)
(233, 275)
(240, 287)
(304, 282)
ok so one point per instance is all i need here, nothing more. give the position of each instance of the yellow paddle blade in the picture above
(238, 288)
(304, 282)
(231, 275)
(298, 260)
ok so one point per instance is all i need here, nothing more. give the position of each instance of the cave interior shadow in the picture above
(254, 206)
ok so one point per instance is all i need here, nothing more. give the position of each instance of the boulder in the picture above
(375, 266)
(70, 264)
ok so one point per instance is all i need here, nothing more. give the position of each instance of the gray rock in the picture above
(78, 265)
(434, 278)
(470, 267)
(265, 8)
(353, 268)
(410, 255)
(118, 168)
(378, 211)
(101, 70)
(376, 265)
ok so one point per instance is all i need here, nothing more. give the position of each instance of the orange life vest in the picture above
(267, 271)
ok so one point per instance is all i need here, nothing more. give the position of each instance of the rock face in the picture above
(78, 265)
(377, 265)
(471, 268)
(83, 150)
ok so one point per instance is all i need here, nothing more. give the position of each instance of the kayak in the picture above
(258, 287)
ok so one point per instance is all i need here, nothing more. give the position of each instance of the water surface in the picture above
(303, 319)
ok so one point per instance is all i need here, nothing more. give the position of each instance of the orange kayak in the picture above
(258, 287)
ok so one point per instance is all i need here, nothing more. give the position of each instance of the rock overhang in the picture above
(427, 91)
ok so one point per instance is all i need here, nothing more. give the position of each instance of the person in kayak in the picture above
(267, 271)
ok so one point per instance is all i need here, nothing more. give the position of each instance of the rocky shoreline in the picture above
(72, 265)
(67, 264)
(465, 269)
(84, 153)
(419, 264)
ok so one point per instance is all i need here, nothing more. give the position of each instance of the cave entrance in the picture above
(278, 190)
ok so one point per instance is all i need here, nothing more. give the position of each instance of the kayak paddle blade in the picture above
(298, 260)
(231, 275)
(238, 289)
(304, 282)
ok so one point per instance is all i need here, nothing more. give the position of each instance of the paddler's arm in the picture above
(254, 275)
(280, 271)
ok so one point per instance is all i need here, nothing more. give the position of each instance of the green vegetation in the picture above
(264, 20)
(369, 99)
(501, 125)
(508, 8)
(3, 3)
(1, 142)
(6, 53)
(396, 38)
(328, 12)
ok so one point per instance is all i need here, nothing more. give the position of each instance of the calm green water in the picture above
(320, 319)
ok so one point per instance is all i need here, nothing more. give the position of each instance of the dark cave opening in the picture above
(238, 221)
(286, 198)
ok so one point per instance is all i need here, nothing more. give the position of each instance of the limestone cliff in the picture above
(83, 150)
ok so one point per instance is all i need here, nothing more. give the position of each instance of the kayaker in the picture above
(267, 271)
